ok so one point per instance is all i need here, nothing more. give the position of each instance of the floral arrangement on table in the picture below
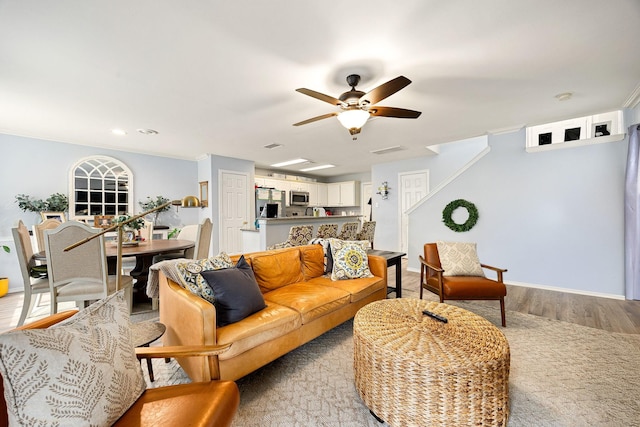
(57, 202)
(136, 224)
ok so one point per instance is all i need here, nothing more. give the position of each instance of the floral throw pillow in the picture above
(80, 372)
(459, 259)
(193, 280)
(350, 259)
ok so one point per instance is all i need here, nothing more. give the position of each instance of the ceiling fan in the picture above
(358, 106)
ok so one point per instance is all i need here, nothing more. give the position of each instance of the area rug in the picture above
(561, 375)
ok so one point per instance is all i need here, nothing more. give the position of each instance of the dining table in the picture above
(144, 252)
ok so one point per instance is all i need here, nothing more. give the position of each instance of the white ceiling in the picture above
(219, 77)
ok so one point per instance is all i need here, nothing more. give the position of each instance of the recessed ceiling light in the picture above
(315, 168)
(148, 131)
(565, 96)
(118, 132)
(289, 163)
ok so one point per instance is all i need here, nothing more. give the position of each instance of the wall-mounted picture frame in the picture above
(204, 193)
(53, 215)
(103, 221)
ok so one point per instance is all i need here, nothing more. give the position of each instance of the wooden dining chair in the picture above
(34, 277)
(198, 233)
(38, 231)
(80, 274)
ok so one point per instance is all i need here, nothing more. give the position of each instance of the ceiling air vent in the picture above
(389, 149)
(271, 146)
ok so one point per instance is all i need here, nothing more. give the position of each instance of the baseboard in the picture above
(551, 288)
(567, 290)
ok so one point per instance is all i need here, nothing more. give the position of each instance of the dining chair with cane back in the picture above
(349, 231)
(79, 274)
(465, 285)
(38, 231)
(34, 277)
(367, 232)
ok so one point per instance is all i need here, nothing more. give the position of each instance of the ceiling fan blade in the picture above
(321, 96)
(400, 113)
(384, 90)
(315, 119)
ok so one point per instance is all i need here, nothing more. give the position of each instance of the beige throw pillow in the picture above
(459, 259)
(80, 372)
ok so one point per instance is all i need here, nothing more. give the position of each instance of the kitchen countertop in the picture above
(308, 217)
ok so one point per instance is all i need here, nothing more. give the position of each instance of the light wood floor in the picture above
(602, 313)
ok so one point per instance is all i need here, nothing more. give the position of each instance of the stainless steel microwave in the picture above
(298, 198)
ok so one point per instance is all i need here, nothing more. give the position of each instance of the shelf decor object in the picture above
(204, 193)
(383, 190)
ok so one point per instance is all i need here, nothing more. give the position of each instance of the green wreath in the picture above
(469, 223)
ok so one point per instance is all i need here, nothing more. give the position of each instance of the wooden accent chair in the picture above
(459, 287)
(212, 403)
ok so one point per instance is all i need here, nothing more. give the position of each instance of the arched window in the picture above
(100, 185)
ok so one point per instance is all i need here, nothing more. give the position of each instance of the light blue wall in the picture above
(386, 212)
(39, 168)
(551, 218)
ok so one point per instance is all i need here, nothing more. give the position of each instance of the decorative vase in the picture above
(4, 286)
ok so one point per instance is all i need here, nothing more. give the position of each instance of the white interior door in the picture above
(413, 187)
(234, 209)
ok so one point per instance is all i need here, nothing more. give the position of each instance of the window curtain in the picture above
(632, 216)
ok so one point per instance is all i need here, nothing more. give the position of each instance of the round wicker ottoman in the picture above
(413, 370)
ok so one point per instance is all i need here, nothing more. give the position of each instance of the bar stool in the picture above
(327, 231)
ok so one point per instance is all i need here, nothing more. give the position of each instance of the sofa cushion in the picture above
(276, 269)
(311, 301)
(349, 259)
(459, 259)
(358, 288)
(312, 261)
(267, 324)
(82, 371)
(191, 279)
(235, 291)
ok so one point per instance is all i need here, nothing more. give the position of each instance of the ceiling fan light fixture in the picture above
(353, 119)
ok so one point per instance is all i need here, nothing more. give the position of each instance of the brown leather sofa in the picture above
(302, 304)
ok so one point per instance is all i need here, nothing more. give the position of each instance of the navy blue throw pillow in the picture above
(235, 291)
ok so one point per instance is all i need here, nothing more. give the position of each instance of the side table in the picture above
(143, 334)
(393, 258)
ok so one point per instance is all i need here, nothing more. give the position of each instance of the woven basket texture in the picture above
(413, 370)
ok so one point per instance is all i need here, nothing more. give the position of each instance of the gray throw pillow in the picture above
(235, 291)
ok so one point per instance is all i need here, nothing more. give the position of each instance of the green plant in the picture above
(154, 203)
(6, 248)
(57, 202)
(136, 224)
(173, 233)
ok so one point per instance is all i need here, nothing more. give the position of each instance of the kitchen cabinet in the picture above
(343, 193)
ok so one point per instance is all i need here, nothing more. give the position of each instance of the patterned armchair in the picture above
(327, 231)
(298, 235)
(349, 231)
(367, 232)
